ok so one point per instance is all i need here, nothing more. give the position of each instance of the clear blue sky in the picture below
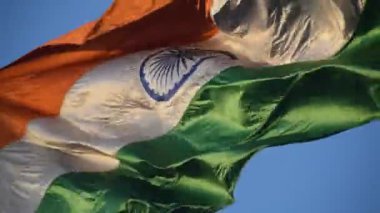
(339, 174)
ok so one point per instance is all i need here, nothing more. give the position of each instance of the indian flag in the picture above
(157, 105)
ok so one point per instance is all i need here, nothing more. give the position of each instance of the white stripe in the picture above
(105, 110)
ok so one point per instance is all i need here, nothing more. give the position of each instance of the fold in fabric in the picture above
(279, 32)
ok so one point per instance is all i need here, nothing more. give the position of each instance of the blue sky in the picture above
(334, 175)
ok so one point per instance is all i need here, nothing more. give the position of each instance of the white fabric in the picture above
(284, 31)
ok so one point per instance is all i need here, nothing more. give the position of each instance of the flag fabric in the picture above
(156, 106)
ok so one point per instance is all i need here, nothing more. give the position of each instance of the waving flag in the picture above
(156, 106)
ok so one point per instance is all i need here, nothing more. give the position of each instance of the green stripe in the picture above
(195, 166)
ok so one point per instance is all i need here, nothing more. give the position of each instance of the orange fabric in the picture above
(35, 85)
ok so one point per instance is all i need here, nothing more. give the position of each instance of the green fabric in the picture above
(194, 167)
